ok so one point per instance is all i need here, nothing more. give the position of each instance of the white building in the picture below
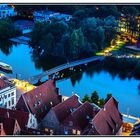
(47, 16)
(6, 11)
(7, 94)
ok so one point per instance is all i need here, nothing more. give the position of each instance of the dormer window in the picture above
(39, 102)
(35, 105)
(51, 103)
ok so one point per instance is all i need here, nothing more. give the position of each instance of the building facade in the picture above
(7, 94)
(47, 16)
(6, 11)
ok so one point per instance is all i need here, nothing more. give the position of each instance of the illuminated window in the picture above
(46, 129)
(78, 132)
(73, 131)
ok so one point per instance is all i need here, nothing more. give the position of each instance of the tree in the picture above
(130, 10)
(7, 29)
(100, 37)
(109, 95)
(95, 97)
(86, 98)
(101, 102)
(77, 42)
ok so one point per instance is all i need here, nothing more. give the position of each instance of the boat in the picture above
(5, 66)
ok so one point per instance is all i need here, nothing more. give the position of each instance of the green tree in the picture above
(95, 97)
(7, 29)
(77, 42)
(86, 98)
(101, 102)
(108, 96)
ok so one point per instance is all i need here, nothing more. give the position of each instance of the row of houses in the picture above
(38, 16)
(7, 11)
(43, 111)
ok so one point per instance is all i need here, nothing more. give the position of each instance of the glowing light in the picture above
(23, 85)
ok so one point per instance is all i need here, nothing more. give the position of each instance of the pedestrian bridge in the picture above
(65, 66)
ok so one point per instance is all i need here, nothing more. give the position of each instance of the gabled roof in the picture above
(81, 117)
(8, 125)
(64, 109)
(136, 129)
(3, 83)
(20, 116)
(108, 120)
(40, 100)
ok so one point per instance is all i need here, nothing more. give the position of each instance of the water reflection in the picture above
(6, 47)
(46, 62)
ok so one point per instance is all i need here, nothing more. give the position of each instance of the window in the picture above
(13, 101)
(5, 96)
(73, 131)
(12, 94)
(51, 103)
(78, 132)
(0, 99)
(46, 129)
(5, 104)
(35, 105)
(9, 103)
(8, 95)
(39, 102)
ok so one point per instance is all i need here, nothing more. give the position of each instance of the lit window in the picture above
(51, 103)
(46, 129)
(73, 131)
(78, 132)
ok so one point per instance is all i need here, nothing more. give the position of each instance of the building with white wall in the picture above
(47, 16)
(6, 11)
(7, 94)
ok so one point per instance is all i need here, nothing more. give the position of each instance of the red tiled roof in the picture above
(20, 116)
(8, 125)
(81, 116)
(64, 109)
(40, 100)
(108, 120)
(3, 83)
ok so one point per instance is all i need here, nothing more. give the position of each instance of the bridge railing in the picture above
(67, 65)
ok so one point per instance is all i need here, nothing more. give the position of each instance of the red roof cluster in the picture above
(81, 117)
(7, 126)
(64, 109)
(108, 120)
(40, 100)
(3, 83)
(20, 116)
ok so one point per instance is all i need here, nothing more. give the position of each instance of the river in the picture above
(125, 91)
